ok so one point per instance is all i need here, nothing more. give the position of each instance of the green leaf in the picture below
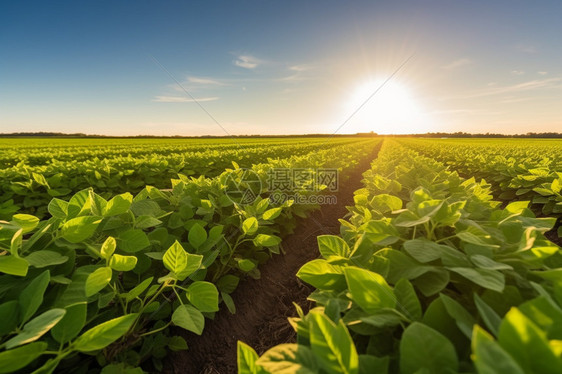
(102, 335)
(489, 357)
(14, 265)
(263, 240)
(122, 263)
(488, 315)
(31, 297)
(228, 302)
(97, 280)
(423, 250)
(177, 343)
(271, 214)
(421, 347)
(484, 262)
(527, 344)
(246, 264)
(145, 222)
(246, 358)
(58, 208)
(332, 345)
(79, 229)
(175, 258)
(250, 226)
(133, 240)
(469, 237)
(189, 318)
(369, 290)
(45, 258)
(9, 315)
(407, 301)
(26, 221)
(71, 324)
(15, 359)
(193, 264)
(322, 275)
(36, 328)
(462, 317)
(197, 235)
(333, 246)
(289, 359)
(108, 247)
(118, 205)
(372, 364)
(138, 290)
(204, 296)
(490, 279)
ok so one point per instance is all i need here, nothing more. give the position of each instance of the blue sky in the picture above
(271, 67)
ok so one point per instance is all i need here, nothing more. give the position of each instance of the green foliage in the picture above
(429, 275)
(101, 281)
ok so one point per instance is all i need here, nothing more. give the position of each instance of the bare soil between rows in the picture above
(263, 305)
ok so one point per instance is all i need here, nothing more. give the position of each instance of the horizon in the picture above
(277, 70)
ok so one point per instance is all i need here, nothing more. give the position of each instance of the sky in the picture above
(280, 67)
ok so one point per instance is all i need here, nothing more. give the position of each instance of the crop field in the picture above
(303, 255)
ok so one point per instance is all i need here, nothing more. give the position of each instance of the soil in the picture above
(263, 305)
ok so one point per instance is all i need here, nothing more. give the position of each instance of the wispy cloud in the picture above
(457, 64)
(205, 81)
(247, 62)
(525, 86)
(297, 73)
(181, 99)
(542, 72)
(509, 100)
(517, 72)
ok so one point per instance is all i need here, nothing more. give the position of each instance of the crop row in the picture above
(30, 188)
(517, 170)
(36, 152)
(100, 282)
(429, 275)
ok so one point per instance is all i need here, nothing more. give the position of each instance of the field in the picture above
(281, 255)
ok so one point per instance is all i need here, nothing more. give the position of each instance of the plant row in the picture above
(100, 283)
(28, 189)
(429, 275)
(37, 152)
(530, 170)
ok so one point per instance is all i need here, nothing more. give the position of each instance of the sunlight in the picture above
(392, 110)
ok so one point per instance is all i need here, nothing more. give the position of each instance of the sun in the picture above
(393, 109)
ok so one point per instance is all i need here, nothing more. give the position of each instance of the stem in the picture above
(156, 330)
(443, 239)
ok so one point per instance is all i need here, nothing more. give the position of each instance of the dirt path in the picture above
(264, 305)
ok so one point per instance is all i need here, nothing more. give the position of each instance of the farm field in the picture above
(388, 255)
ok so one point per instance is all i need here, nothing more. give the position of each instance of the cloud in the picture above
(542, 72)
(525, 86)
(205, 81)
(457, 64)
(247, 62)
(297, 73)
(181, 99)
(517, 72)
